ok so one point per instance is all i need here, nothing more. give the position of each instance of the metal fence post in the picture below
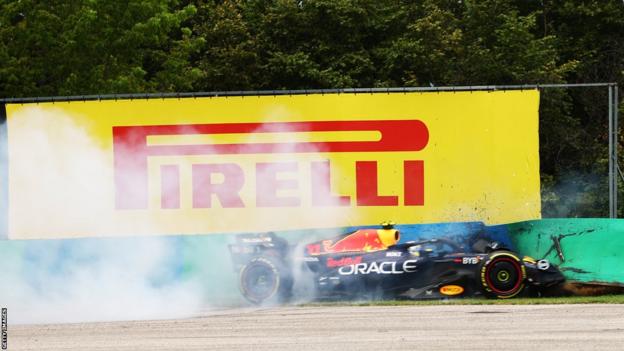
(611, 175)
(615, 149)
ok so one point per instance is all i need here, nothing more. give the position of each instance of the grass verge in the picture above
(605, 299)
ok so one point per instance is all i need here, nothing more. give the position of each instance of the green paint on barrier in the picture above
(587, 250)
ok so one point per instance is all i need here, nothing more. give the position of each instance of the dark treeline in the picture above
(72, 47)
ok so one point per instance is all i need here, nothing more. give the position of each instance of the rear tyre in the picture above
(502, 275)
(265, 280)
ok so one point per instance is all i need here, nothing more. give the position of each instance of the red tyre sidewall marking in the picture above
(516, 266)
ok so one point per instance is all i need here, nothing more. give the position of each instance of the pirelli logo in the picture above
(133, 146)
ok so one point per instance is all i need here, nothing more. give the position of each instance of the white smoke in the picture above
(304, 182)
(99, 279)
(78, 280)
(63, 195)
(96, 280)
(299, 182)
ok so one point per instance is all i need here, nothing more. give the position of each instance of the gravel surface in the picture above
(456, 327)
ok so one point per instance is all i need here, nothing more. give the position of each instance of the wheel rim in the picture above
(504, 275)
(259, 281)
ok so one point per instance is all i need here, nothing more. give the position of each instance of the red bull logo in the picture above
(344, 261)
(132, 151)
(363, 240)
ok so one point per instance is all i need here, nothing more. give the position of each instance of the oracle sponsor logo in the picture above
(344, 261)
(132, 151)
(390, 267)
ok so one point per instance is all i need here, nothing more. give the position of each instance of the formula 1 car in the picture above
(371, 263)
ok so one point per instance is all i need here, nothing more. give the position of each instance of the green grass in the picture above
(608, 299)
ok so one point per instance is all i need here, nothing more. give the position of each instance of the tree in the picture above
(93, 47)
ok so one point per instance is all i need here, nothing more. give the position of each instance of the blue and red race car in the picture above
(372, 263)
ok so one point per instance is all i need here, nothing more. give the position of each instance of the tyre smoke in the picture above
(119, 271)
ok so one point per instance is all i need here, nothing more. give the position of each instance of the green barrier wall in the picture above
(586, 250)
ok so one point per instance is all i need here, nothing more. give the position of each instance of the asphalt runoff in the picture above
(443, 327)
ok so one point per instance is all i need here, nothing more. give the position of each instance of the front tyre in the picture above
(264, 279)
(502, 275)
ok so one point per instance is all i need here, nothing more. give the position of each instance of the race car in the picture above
(373, 263)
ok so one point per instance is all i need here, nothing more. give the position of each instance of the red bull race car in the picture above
(373, 263)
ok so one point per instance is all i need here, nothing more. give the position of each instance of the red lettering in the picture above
(131, 150)
(345, 261)
(267, 185)
(227, 191)
(366, 186)
(170, 186)
(321, 185)
(130, 163)
(414, 183)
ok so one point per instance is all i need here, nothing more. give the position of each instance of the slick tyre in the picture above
(265, 280)
(502, 275)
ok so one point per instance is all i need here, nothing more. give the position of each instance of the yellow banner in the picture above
(260, 163)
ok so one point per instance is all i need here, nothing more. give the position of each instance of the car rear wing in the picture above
(248, 246)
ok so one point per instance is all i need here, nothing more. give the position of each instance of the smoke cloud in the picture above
(96, 280)
(126, 278)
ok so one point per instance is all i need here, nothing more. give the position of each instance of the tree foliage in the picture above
(135, 46)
